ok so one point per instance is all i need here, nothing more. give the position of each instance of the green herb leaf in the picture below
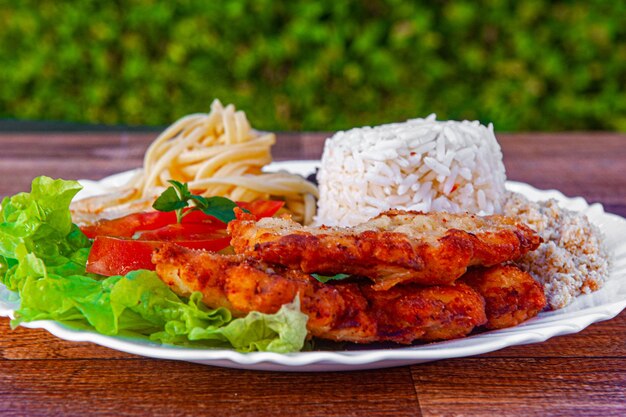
(325, 278)
(219, 207)
(200, 201)
(178, 197)
(169, 201)
(182, 188)
(173, 199)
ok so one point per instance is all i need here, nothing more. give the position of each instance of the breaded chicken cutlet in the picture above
(511, 295)
(393, 248)
(343, 311)
(350, 310)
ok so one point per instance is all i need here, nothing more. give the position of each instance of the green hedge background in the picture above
(325, 65)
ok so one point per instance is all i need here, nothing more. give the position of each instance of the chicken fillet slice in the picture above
(342, 311)
(392, 248)
(511, 295)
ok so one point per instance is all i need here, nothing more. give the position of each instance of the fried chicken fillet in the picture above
(392, 248)
(343, 311)
(511, 295)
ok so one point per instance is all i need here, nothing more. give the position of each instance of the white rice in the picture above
(422, 164)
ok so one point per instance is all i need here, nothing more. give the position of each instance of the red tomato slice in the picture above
(197, 216)
(185, 231)
(114, 256)
(114, 252)
(128, 225)
(262, 208)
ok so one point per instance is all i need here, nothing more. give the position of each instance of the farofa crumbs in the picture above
(572, 260)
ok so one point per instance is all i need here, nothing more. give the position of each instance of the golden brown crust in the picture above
(345, 311)
(511, 295)
(451, 311)
(395, 247)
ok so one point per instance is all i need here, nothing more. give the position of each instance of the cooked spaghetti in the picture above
(216, 154)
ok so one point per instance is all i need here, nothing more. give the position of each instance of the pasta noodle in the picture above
(217, 154)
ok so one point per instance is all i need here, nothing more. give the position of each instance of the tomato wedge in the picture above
(126, 244)
(262, 208)
(131, 224)
(127, 226)
(116, 256)
(183, 231)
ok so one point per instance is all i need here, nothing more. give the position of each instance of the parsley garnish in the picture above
(178, 197)
(325, 278)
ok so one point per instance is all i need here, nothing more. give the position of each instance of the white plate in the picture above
(601, 305)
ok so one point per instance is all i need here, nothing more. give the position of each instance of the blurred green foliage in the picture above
(324, 65)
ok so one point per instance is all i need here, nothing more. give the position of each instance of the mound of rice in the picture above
(422, 164)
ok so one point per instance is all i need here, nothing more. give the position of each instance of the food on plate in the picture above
(126, 244)
(573, 259)
(345, 311)
(429, 165)
(511, 295)
(274, 307)
(422, 164)
(217, 154)
(416, 240)
(43, 256)
(394, 247)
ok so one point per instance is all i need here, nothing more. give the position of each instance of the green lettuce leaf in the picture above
(37, 235)
(279, 332)
(43, 257)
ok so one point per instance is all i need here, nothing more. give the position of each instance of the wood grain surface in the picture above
(575, 375)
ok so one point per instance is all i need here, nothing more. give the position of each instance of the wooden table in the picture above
(575, 375)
